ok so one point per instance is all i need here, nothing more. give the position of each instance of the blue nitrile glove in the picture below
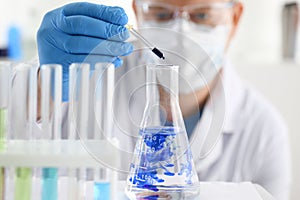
(83, 32)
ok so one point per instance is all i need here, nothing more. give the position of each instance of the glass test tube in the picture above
(5, 75)
(72, 189)
(79, 121)
(9, 183)
(51, 100)
(79, 99)
(21, 113)
(2, 183)
(103, 103)
(36, 171)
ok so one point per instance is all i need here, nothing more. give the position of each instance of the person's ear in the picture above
(238, 9)
(134, 9)
(237, 12)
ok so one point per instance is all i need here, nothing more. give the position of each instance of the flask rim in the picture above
(163, 66)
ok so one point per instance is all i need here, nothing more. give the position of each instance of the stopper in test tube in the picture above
(155, 50)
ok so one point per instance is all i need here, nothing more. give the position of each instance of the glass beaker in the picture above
(162, 166)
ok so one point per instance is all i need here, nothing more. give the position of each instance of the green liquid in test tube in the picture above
(23, 183)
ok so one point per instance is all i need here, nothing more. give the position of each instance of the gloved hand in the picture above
(83, 32)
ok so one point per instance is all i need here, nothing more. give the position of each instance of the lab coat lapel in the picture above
(218, 119)
(206, 140)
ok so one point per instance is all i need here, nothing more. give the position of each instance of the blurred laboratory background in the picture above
(266, 51)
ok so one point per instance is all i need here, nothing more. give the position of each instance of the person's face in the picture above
(205, 13)
(209, 13)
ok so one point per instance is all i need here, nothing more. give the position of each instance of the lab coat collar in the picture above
(234, 97)
(226, 98)
(218, 118)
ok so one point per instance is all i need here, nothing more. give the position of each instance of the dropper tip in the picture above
(158, 53)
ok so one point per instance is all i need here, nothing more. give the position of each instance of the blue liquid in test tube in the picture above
(49, 191)
(102, 191)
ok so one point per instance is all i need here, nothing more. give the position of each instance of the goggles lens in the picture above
(157, 12)
(204, 14)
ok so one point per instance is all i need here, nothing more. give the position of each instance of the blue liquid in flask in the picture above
(163, 166)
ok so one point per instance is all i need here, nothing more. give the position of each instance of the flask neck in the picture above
(162, 83)
(162, 91)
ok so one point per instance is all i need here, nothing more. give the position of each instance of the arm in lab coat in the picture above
(274, 168)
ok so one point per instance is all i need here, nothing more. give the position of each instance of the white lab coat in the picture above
(249, 137)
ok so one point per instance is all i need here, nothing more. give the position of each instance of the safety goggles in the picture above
(209, 14)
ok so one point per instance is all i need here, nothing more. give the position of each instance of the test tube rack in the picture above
(72, 153)
(60, 153)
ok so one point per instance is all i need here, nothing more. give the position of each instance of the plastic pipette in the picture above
(155, 50)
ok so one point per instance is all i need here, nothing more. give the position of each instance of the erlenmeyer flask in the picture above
(162, 167)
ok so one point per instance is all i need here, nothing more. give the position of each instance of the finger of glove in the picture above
(89, 45)
(112, 14)
(88, 26)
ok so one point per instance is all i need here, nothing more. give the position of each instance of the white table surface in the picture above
(222, 191)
